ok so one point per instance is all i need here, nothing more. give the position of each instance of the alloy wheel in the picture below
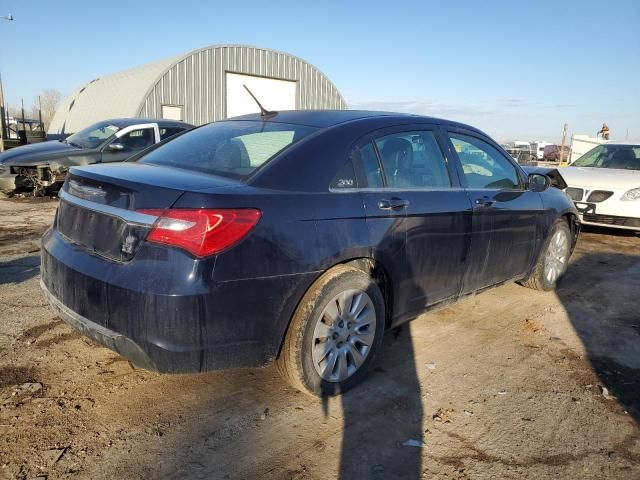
(343, 335)
(557, 256)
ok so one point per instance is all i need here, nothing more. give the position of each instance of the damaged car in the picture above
(40, 168)
(297, 237)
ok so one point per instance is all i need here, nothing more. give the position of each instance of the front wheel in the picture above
(553, 259)
(335, 333)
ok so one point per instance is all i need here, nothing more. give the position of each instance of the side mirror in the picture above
(538, 182)
(115, 147)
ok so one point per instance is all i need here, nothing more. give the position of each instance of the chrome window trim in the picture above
(391, 189)
(129, 216)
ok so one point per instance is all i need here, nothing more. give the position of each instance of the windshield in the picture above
(233, 149)
(625, 157)
(92, 136)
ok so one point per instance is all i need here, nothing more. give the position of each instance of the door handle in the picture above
(484, 202)
(392, 203)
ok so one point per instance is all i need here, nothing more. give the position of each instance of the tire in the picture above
(353, 339)
(553, 259)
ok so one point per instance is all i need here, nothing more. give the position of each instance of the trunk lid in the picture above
(99, 203)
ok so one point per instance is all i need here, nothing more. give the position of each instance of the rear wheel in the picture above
(335, 333)
(553, 259)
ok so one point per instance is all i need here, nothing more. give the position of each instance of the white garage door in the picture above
(273, 94)
(172, 112)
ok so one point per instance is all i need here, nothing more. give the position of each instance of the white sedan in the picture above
(604, 184)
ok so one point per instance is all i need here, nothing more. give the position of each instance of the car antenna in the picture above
(264, 113)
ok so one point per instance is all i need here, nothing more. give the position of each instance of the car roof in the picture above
(125, 122)
(330, 118)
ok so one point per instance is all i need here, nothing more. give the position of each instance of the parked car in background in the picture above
(41, 167)
(538, 149)
(605, 185)
(552, 153)
(298, 236)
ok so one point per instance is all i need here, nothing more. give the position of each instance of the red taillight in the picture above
(204, 231)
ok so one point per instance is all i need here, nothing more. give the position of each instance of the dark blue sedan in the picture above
(298, 237)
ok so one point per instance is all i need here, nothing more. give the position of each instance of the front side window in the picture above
(624, 157)
(136, 140)
(233, 148)
(413, 160)
(483, 165)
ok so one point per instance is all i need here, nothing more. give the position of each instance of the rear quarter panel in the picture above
(299, 236)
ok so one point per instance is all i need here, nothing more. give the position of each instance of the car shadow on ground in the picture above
(19, 269)
(382, 433)
(605, 313)
(381, 419)
(380, 423)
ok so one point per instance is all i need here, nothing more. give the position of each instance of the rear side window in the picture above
(368, 171)
(233, 149)
(413, 160)
(483, 165)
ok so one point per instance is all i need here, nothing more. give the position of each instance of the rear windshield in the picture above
(232, 149)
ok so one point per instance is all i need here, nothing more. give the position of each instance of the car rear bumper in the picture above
(160, 323)
(110, 339)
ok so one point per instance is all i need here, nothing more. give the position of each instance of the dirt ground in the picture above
(512, 383)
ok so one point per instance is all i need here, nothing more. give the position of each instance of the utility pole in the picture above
(40, 112)
(24, 126)
(564, 138)
(3, 118)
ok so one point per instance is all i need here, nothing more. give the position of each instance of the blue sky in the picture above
(516, 69)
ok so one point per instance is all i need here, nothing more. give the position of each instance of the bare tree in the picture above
(14, 111)
(50, 100)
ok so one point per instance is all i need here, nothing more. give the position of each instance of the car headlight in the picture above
(633, 194)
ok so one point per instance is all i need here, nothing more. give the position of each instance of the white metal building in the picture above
(199, 87)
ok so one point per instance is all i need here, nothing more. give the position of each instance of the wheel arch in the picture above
(367, 265)
(574, 226)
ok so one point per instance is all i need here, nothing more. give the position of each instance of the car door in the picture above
(505, 214)
(385, 216)
(130, 141)
(429, 212)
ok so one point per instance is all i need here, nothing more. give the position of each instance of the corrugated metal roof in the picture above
(117, 95)
(194, 80)
(197, 81)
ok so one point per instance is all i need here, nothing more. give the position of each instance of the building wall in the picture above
(198, 82)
